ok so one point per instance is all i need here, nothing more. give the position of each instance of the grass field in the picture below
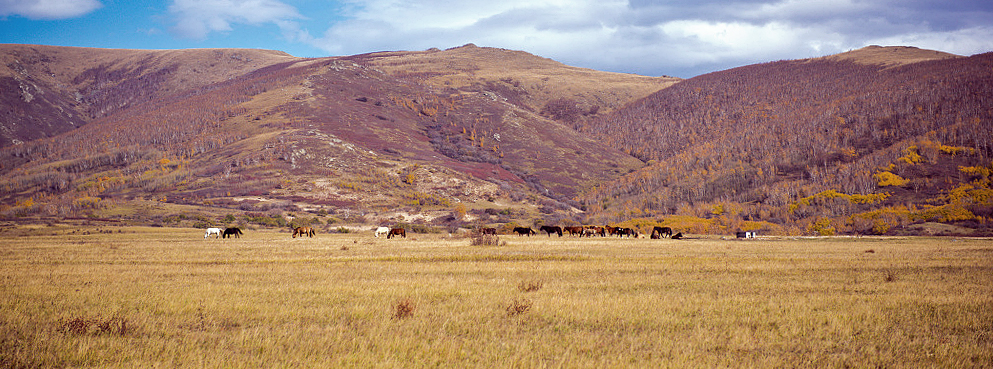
(165, 297)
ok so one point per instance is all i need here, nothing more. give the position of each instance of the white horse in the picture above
(382, 230)
(212, 231)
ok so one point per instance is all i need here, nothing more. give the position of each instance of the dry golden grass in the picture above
(145, 297)
(543, 79)
(890, 55)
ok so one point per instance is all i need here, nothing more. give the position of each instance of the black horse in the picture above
(622, 232)
(662, 231)
(552, 229)
(233, 232)
(524, 231)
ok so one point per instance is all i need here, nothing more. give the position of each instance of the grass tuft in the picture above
(485, 240)
(530, 286)
(518, 307)
(403, 309)
(115, 325)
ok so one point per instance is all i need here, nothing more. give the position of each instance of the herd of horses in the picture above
(225, 233)
(590, 231)
(580, 231)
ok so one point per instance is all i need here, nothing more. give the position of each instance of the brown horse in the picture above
(303, 231)
(610, 230)
(573, 230)
(397, 232)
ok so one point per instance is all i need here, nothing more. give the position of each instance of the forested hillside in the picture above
(328, 135)
(842, 144)
(877, 140)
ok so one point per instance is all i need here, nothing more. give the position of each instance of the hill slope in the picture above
(766, 140)
(330, 134)
(48, 90)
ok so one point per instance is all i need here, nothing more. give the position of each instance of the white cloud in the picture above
(198, 18)
(654, 37)
(48, 9)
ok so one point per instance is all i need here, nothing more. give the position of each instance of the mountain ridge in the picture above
(486, 135)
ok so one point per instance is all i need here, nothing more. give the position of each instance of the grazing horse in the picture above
(621, 232)
(551, 229)
(524, 231)
(573, 231)
(590, 231)
(662, 231)
(610, 230)
(303, 231)
(397, 232)
(381, 230)
(232, 232)
(677, 236)
(212, 231)
(487, 231)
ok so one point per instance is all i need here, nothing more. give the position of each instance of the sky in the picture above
(682, 38)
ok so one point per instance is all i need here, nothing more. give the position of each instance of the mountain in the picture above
(261, 131)
(49, 90)
(880, 140)
(867, 141)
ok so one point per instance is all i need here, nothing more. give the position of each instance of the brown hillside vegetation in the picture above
(877, 140)
(329, 135)
(822, 145)
(49, 90)
(889, 56)
(530, 82)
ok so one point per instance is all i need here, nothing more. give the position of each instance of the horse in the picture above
(551, 229)
(381, 230)
(303, 231)
(232, 232)
(610, 230)
(662, 231)
(212, 231)
(397, 232)
(573, 230)
(621, 232)
(487, 231)
(524, 231)
(677, 236)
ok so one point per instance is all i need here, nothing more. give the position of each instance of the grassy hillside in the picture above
(49, 90)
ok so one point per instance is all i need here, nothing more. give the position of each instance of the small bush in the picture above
(116, 325)
(403, 309)
(890, 276)
(518, 307)
(530, 286)
(485, 240)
